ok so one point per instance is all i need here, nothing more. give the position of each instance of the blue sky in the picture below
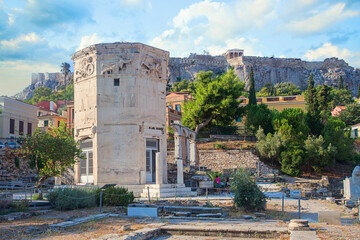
(38, 35)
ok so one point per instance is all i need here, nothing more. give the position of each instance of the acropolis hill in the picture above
(267, 69)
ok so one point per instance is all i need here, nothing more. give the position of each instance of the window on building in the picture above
(178, 107)
(238, 119)
(72, 114)
(116, 82)
(29, 129)
(356, 132)
(12, 126)
(21, 127)
(58, 124)
(46, 123)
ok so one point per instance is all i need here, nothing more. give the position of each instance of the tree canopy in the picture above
(51, 152)
(214, 100)
(280, 89)
(183, 86)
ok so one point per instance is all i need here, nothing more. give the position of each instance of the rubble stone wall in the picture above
(219, 161)
(9, 170)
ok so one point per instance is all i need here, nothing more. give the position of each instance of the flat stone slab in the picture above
(182, 214)
(142, 234)
(193, 210)
(210, 215)
(303, 235)
(142, 212)
(330, 217)
(79, 221)
(299, 225)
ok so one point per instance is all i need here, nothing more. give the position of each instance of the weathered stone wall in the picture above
(219, 161)
(8, 168)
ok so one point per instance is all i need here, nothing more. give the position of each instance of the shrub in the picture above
(220, 146)
(20, 206)
(248, 196)
(117, 196)
(72, 198)
(4, 204)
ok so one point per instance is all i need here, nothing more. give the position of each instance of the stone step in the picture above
(209, 215)
(182, 214)
(193, 210)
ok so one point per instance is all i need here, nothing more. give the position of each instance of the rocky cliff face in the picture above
(269, 70)
(186, 68)
(50, 80)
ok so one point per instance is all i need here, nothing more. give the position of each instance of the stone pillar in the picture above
(193, 152)
(187, 141)
(159, 168)
(180, 174)
(177, 142)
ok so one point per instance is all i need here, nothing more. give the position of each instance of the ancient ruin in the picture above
(119, 91)
(267, 69)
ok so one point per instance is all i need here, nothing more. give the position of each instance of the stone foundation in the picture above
(220, 161)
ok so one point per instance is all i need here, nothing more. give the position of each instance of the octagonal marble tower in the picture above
(120, 122)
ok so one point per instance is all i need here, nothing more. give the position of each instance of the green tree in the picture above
(292, 160)
(286, 89)
(340, 97)
(313, 114)
(358, 91)
(184, 85)
(336, 134)
(51, 152)
(269, 146)
(252, 92)
(41, 94)
(65, 69)
(266, 91)
(318, 153)
(323, 99)
(215, 99)
(291, 125)
(341, 83)
(259, 116)
(350, 115)
(248, 196)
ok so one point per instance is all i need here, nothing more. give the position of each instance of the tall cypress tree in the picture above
(358, 91)
(313, 113)
(252, 93)
(341, 83)
(324, 97)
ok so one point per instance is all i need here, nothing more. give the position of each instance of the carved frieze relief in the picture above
(120, 65)
(85, 69)
(151, 67)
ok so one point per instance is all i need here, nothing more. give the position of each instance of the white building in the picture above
(17, 118)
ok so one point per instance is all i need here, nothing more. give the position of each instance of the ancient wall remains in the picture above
(219, 161)
(13, 166)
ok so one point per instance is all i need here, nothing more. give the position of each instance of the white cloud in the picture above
(89, 40)
(16, 75)
(132, 2)
(320, 21)
(208, 23)
(328, 50)
(15, 43)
